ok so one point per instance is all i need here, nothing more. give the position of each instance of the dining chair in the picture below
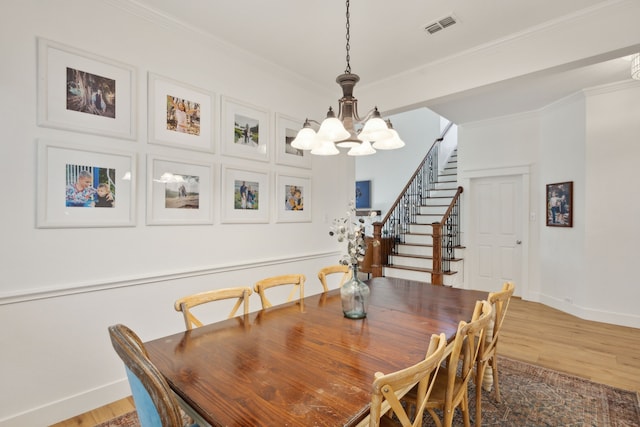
(450, 388)
(333, 269)
(155, 403)
(297, 280)
(185, 304)
(387, 389)
(487, 357)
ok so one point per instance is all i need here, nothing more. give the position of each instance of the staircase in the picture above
(413, 258)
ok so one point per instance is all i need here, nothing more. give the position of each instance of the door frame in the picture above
(465, 180)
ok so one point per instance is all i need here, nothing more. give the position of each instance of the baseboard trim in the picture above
(71, 406)
(587, 313)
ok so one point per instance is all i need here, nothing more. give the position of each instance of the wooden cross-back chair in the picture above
(387, 389)
(451, 383)
(487, 358)
(185, 304)
(333, 269)
(296, 280)
(155, 402)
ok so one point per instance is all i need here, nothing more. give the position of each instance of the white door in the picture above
(496, 206)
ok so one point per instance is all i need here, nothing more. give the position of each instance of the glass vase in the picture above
(355, 296)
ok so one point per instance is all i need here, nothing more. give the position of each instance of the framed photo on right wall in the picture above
(560, 204)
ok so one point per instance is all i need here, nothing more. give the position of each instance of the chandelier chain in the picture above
(348, 46)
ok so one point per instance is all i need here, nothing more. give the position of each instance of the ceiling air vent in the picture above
(440, 24)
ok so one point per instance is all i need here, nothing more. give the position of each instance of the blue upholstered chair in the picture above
(155, 402)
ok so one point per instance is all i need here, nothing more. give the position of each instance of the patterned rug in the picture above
(533, 397)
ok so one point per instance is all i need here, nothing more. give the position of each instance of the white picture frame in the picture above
(84, 92)
(165, 127)
(61, 166)
(286, 130)
(293, 198)
(245, 130)
(179, 192)
(238, 209)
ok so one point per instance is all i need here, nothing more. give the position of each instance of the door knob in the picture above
(518, 242)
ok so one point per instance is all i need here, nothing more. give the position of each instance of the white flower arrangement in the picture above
(352, 229)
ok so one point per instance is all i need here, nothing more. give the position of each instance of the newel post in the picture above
(376, 259)
(436, 275)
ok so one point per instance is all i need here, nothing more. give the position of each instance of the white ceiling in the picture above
(388, 38)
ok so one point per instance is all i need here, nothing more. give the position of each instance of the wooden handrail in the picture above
(383, 246)
(437, 276)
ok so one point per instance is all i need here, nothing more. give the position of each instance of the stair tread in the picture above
(423, 257)
(423, 270)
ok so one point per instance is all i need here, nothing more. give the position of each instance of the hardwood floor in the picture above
(532, 333)
(99, 415)
(543, 336)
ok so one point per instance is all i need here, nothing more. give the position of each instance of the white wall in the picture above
(562, 159)
(389, 170)
(590, 139)
(611, 207)
(61, 288)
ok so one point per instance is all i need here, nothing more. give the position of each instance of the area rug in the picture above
(126, 420)
(533, 396)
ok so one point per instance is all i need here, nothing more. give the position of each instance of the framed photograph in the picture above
(245, 196)
(560, 204)
(293, 198)
(245, 130)
(83, 92)
(179, 192)
(180, 115)
(84, 187)
(286, 130)
(363, 194)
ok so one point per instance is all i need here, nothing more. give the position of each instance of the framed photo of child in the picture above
(84, 187)
(245, 195)
(293, 198)
(560, 204)
(181, 115)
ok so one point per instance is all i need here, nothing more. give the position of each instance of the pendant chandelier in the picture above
(376, 134)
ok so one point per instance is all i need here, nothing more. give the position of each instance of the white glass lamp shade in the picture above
(305, 139)
(364, 149)
(391, 143)
(635, 66)
(375, 129)
(332, 129)
(325, 148)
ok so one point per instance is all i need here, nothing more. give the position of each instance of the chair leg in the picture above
(465, 411)
(480, 367)
(496, 384)
(448, 417)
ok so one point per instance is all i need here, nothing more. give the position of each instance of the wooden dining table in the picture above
(303, 363)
